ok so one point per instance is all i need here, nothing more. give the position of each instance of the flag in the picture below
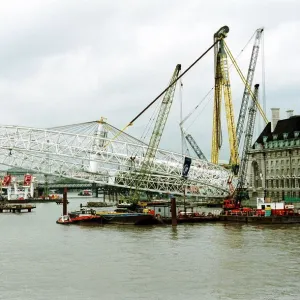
(186, 166)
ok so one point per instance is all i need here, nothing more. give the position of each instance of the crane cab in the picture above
(230, 204)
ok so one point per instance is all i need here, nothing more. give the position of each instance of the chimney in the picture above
(275, 117)
(289, 113)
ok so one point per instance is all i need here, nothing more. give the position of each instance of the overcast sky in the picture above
(71, 61)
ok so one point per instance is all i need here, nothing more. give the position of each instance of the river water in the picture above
(40, 259)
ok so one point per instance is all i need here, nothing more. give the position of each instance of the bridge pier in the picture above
(95, 189)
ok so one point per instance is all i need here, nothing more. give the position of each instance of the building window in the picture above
(256, 177)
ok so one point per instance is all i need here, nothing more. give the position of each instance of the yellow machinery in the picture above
(222, 84)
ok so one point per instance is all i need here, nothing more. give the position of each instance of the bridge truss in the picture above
(91, 152)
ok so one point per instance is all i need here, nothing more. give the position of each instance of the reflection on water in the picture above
(43, 260)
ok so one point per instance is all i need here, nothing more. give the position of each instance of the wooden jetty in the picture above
(16, 208)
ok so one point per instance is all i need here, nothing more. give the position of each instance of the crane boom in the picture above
(160, 123)
(216, 133)
(229, 108)
(195, 147)
(222, 83)
(248, 140)
(246, 94)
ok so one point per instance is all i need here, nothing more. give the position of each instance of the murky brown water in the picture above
(40, 259)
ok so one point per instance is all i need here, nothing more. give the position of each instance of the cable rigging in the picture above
(169, 86)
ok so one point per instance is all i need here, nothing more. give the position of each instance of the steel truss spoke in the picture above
(69, 154)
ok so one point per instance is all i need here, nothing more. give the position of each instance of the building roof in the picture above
(288, 126)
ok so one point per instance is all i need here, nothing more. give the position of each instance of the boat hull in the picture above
(261, 219)
(201, 219)
(80, 220)
(129, 219)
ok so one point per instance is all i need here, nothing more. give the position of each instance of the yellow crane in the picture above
(222, 85)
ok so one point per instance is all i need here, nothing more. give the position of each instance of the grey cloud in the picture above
(74, 61)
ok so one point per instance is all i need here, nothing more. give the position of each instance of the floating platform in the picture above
(17, 208)
(82, 217)
(61, 202)
(261, 219)
(97, 204)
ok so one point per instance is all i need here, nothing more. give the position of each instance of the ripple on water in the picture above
(42, 260)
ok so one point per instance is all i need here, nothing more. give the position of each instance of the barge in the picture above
(119, 217)
(162, 211)
(292, 219)
(266, 212)
(192, 217)
(124, 216)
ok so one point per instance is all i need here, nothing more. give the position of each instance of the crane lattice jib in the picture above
(250, 75)
(160, 123)
(228, 106)
(248, 140)
(216, 131)
(195, 147)
(222, 82)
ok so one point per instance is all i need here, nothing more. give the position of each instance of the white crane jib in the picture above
(160, 123)
(99, 141)
(246, 94)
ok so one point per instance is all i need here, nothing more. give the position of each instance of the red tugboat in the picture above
(78, 217)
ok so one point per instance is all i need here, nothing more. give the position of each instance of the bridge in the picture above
(97, 152)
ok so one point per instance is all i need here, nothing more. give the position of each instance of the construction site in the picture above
(103, 155)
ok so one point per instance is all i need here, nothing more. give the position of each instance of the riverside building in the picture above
(274, 160)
